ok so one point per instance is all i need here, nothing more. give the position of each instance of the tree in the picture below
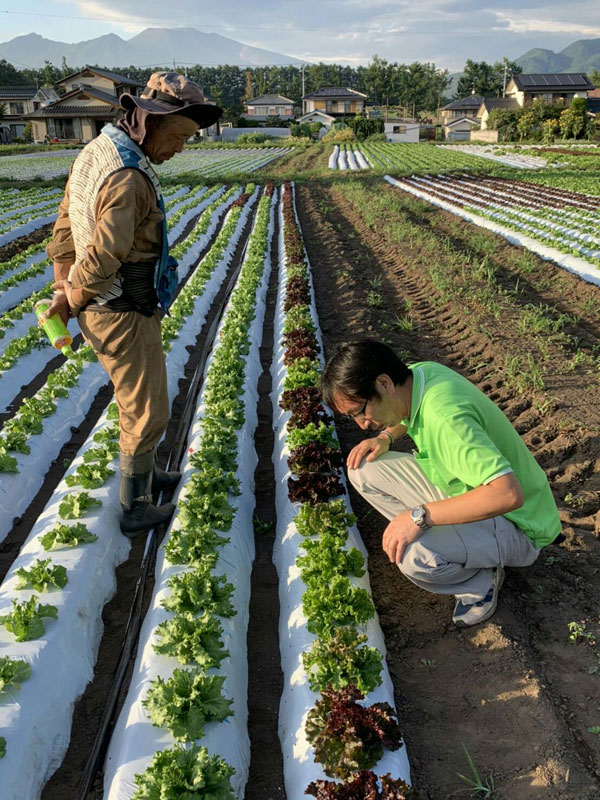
(28, 132)
(485, 79)
(595, 78)
(572, 119)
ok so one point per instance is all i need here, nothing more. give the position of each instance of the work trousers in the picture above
(445, 559)
(129, 347)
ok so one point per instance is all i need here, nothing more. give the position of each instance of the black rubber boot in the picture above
(164, 480)
(139, 513)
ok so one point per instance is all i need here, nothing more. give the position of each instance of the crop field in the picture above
(193, 162)
(253, 647)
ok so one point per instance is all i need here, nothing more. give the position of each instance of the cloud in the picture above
(527, 25)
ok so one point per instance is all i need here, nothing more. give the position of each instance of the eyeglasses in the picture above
(357, 414)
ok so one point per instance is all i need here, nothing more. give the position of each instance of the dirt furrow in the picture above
(517, 692)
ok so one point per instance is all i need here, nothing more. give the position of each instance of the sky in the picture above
(445, 32)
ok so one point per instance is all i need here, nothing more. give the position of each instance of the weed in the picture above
(550, 561)
(375, 282)
(428, 662)
(579, 633)
(374, 299)
(574, 500)
(595, 729)
(476, 786)
(262, 526)
(404, 324)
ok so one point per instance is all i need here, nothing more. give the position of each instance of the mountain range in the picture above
(580, 56)
(151, 47)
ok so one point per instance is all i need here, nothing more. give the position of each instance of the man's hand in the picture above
(370, 448)
(61, 302)
(401, 532)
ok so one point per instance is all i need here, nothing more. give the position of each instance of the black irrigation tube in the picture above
(134, 620)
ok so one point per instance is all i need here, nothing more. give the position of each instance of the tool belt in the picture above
(137, 291)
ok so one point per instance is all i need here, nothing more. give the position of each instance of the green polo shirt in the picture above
(464, 440)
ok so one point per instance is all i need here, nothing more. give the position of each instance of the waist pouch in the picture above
(137, 291)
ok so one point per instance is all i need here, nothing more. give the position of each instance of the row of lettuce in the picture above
(79, 531)
(333, 667)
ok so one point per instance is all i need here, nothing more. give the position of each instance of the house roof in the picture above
(472, 101)
(48, 93)
(105, 73)
(62, 108)
(72, 111)
(497, 102)
(269, 100)
(473, 122)
(17, 92)
(317, 113)
(594, 93)
(334, 91)
(572, 81)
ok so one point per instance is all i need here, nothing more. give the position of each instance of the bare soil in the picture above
(515, 690)
(16, 246)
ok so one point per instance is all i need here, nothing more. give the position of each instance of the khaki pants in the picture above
(446, 559)
(129, 347)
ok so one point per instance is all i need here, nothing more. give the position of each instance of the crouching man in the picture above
(469, 501)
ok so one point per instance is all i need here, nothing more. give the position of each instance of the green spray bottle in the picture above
(56, 330)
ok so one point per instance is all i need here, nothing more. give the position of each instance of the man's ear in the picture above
(384, 383)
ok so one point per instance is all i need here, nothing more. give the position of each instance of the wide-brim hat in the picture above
(171, 93)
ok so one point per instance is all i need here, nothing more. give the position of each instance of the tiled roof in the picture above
(472, 101)
(72, 111)
(569, 81)
(334, 91)
(470, 120)
(500, 102)
(16, 92)
(113, 76)
(268, 99)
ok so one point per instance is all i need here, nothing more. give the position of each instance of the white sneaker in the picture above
(473, 613)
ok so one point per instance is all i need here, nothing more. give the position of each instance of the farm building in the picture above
(401, 130)
(91, 100)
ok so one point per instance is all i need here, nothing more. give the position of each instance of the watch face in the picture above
(417, 515)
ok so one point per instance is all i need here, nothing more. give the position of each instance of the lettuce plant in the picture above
(76, 506)
(192, 640)
(347, 736)
(67, 536)
(332, 518)
(12, 673)
(186, 702)
(200, 592)
(25, 620)
(40, 576)
(341, 659)
(337, 602)
(362, 786)
(181, 773)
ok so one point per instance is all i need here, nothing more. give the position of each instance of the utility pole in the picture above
(504, 84)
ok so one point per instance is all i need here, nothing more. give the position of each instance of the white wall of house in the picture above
(401, 131)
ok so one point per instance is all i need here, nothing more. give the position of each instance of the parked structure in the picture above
(19, 101)
(91, 100)
(335, 101)
(268, 106)
(401, 130)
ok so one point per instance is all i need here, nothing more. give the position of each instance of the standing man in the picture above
(112, 270)
(469, 501)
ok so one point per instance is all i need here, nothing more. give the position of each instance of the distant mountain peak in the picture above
(154, 46)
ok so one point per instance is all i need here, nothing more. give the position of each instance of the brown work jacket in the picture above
(128, 231)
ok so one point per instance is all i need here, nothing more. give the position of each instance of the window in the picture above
(250, 110)
(64, 128)
(399, 129)
(17, 108)
(271, 111)
(346, 106)
(329, 106)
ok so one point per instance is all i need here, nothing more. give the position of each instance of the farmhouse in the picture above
(492, 103)
(335, 101)
(459, 118)
(268, 106)
(551, 87)
(18, 102)
(91, 100)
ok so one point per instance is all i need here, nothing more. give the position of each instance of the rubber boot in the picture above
(164, 480)
(139, 513)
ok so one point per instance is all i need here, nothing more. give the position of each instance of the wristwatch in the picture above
(419, 517)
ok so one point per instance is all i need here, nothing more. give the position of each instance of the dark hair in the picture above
(354, 368)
